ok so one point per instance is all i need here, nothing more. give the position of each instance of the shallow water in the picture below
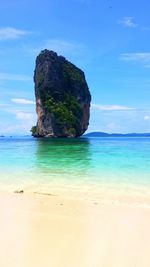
(39, 164)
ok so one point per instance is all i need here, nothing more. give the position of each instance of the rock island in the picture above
(62, 97)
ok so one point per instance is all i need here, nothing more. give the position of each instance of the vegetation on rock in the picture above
(68, 112)
(33, 130)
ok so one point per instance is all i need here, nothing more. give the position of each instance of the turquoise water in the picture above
(40, 163)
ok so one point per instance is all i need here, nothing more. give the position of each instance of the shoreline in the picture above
(53, 230)
(104, 193)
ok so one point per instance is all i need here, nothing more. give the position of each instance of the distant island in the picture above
(103, 134)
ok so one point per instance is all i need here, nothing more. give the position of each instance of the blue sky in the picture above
(108, 39)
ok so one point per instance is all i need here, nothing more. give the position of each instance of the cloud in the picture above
(62, 47)
(128, 22)
(19, 123)
(24, 116)
(9, 33)
(146, 117)
(120, 121)
(22, 101)
(142, 57)
(26, 121)
(110, 107)
(111, 126)
(22, 125)
(14, 77)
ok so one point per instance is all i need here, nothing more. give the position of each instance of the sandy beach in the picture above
(47, 230)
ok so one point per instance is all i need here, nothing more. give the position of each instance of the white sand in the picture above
(54, 231)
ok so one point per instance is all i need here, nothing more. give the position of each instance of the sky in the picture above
(108, 39)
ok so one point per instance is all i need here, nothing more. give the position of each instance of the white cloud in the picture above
(141, 57)
(146, 117)
(22, 101)
(111, 126)
(9, 129)
(24, 116)
(120, 121)
(60, 46)
(14, 77)
(8, 33)
(21, 125)
(26, 121)
(110, 107)
(128, 22)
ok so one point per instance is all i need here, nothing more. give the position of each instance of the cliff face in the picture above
(62, 97)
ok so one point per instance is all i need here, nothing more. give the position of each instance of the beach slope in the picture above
(44, 230)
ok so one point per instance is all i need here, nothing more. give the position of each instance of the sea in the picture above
(90, 167)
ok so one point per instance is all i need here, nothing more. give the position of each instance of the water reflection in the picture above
(62, 157)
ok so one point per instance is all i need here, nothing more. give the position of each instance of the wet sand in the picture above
(56, 231)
